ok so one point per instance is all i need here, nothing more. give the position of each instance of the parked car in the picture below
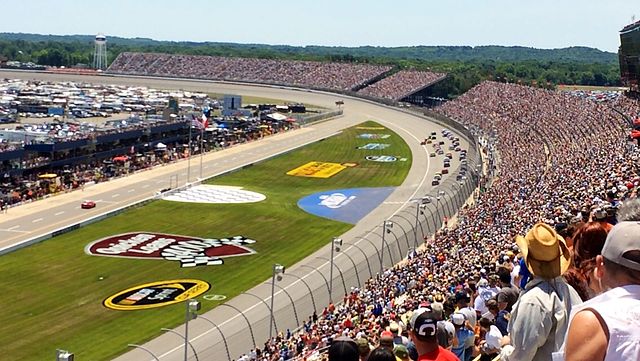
(445, 171)
(435, 182)
(88, 204)
(432, 154)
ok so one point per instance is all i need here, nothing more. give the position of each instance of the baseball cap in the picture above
(363, 344)
(623, 237)
(458, 319)
(401, 352)
(423, 323)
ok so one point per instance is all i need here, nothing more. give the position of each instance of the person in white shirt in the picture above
(490, 346)
(607, 327)
(485, 293)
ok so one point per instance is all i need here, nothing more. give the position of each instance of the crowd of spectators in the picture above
(401, 84)
(324, 75)
(565, 165)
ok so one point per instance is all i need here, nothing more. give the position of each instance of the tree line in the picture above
(467, 66)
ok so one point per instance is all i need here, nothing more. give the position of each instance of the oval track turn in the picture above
(33, 219)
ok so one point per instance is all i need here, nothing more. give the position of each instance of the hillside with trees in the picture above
(466, 65)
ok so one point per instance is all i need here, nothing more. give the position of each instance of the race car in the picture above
(87, 204)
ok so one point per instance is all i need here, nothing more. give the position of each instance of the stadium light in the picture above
(278, 271)
(386, 228)
(193, 306)
(62, 355)
(336, 243)
(420, 205)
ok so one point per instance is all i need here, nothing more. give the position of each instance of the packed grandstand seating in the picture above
(401, 84)
(561, 155)
(324, 75)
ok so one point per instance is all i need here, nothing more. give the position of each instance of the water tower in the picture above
(100, 52)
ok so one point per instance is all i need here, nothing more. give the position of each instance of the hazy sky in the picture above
(535, 23)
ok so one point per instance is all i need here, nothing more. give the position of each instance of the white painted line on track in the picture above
(37, 220)
(115, 195)
(145, 186)
(58, 213)
(13, 228)
(131, 190)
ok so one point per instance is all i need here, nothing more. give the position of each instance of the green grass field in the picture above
(52, 292)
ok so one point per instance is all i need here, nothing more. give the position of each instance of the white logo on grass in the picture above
(335, 200)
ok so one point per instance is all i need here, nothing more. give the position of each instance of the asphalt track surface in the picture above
(245, 320)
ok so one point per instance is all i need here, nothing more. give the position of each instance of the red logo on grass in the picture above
(189, 251)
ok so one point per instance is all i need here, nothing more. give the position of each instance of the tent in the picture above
(47, 176)
(161, 146)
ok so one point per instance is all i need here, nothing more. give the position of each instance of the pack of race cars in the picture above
(439, 150)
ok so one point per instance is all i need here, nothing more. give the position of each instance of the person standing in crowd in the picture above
(464, 333)
(489, 347)
(423, 329)
(462, 303)
(599, 331)
(381, 354)
(540, 318)
(343, 349)
(587, 244)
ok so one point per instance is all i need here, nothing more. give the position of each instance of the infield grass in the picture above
(52, 292)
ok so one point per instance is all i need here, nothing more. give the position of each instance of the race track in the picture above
(245, 320)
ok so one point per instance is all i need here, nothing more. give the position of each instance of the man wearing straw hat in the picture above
(540, 318)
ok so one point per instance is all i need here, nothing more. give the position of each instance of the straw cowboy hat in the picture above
(545, 252)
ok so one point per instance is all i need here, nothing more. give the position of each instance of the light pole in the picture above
(386, 228)
(336, 243)
(143, 349)
(193, 306)
(62, 355)
(278, 270)
(420, 205)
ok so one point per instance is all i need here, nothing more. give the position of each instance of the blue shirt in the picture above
(463, 335)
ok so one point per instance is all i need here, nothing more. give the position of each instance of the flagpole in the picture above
(189, 155)
(201, 148)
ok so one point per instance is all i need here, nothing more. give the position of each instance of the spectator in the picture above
(463, 334)
(598, 329)
(363, 347)
(343, 349)
(381, 354)
(423, 326)
(401, 352)
(539, 319)
(462, 304)
(490, 346)
(588, 243)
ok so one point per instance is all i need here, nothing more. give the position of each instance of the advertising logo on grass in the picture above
(189, 251)
(373, 136)
(371, 128)
(156, 294)
(317, 170)
(374, 146)
(381, 158)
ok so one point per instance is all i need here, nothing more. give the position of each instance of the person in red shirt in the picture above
(422, 331)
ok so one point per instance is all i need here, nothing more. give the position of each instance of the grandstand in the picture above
(364, 79)
(402, 84)
(629, 56)
(554, 182)
(319, 75)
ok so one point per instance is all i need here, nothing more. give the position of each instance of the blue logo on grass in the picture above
(345, 205)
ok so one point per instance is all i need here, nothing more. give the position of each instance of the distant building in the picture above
(232, 106)
(629, 56)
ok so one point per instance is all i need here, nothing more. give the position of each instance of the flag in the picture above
(205, 121)
(196, 123)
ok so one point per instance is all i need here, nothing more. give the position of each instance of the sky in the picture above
(533, 23)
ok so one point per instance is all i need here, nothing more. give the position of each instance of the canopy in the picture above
(48, 176)
(121, 158)
(161, 146)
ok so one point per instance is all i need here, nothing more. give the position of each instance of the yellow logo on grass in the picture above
(317, 170)
(156, 294)
(371, 128)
